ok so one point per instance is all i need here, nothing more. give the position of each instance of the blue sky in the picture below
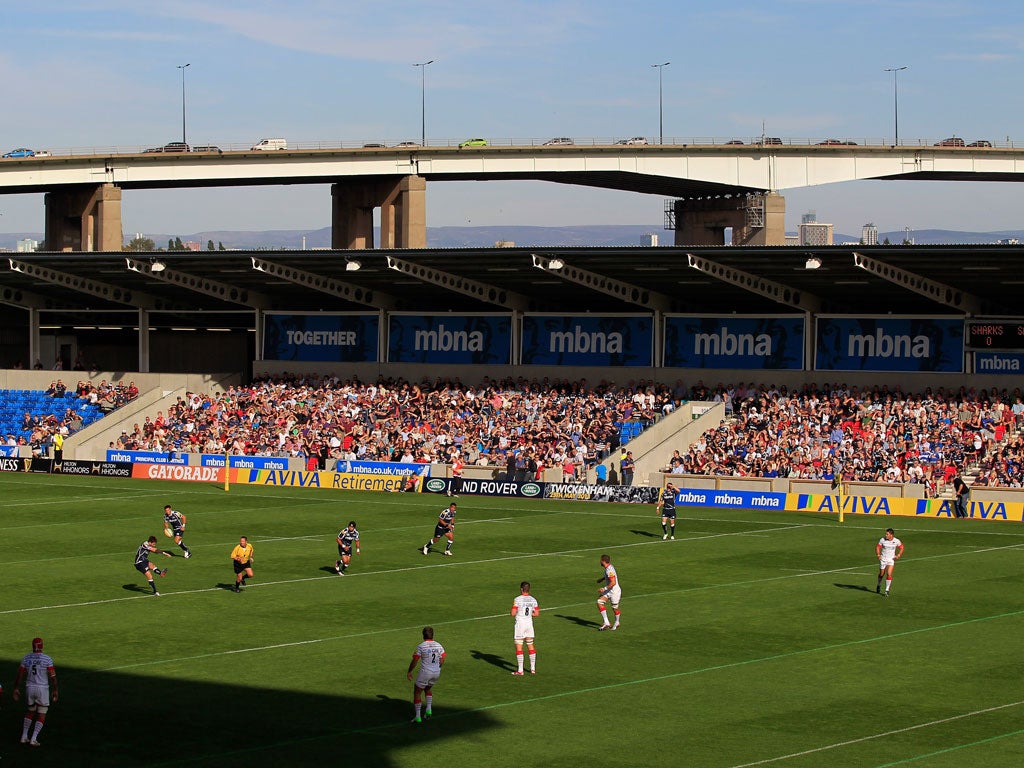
(315, 70)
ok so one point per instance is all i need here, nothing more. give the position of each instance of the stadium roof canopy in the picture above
(981, 280)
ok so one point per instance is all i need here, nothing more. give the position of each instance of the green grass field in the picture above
(754, 639)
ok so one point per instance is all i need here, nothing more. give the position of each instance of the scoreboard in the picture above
(995, 334)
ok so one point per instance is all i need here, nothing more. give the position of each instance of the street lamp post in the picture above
(423, 100)
(182, 67)
(661, 122)
(895, 102)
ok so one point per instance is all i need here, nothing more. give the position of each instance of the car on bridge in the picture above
(952, 141)
(635, 141)
(561, 141)
(172, 146)
(978, 143)
(836, 143)
(20, 152)
(773, 141)
(404, 144)
(474, 143)
(208, 148)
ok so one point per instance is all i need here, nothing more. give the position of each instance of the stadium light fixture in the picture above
(351, 265)
(547, 264)
(812, 263)
(157, 266)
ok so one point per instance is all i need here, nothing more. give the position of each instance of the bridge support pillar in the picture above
(403, 218)
(758, 219)
(84, 219)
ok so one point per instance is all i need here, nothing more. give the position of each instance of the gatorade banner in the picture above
(346, 338)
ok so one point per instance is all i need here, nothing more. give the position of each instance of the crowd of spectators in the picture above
(877, 434)
(525, 426)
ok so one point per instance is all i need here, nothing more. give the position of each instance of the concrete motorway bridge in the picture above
(715, 184)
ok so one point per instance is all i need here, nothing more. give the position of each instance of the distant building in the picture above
(792, 239)
(192, 245)
(1009, 241)
(815, 233)
(869, 234)
(809, 218)
(651, 239)
(28, 245)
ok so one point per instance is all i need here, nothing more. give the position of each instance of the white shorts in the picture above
(523, 631)
(426, 679)
(883, 564)
(613, 597)
(37, 696)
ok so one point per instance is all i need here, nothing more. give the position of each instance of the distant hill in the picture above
(620, 235)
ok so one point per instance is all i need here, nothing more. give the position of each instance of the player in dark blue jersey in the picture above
(142, 564)
(667, 505)
(347, 538)
(445, 527)
(174, 521)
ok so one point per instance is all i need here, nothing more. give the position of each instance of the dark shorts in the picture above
(179, 532)
(344, 551)
(240, 567)
(142, 567)
(440, 530)
(670, 513)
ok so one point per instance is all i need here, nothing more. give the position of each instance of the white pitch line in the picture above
(873, 736)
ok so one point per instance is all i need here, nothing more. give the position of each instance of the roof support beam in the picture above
(204, 285)
(954, 298)
(491, 294)
(87, 285)
(347, 291)
(629, 293)
(16, 297)
(783, 294)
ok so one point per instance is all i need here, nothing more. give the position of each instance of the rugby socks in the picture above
(664, 529)
(519, 662)
(39, 726)
(430, 704)
(604, 615)
(448, 546)
(533, 661)
(617, 612)
(888, 585)
(25, 725)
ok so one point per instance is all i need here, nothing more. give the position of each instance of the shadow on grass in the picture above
(859, 587)
(579, 620)
(648, 534)
(328, 569)
(96, 724)
(493, 660)
(138, 588)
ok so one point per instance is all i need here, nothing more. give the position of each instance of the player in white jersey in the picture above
(609, 593)
(39, 675)
(889, 550)
(430, 655)
(524, 608)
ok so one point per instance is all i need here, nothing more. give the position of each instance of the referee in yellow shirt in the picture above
(241, 556)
